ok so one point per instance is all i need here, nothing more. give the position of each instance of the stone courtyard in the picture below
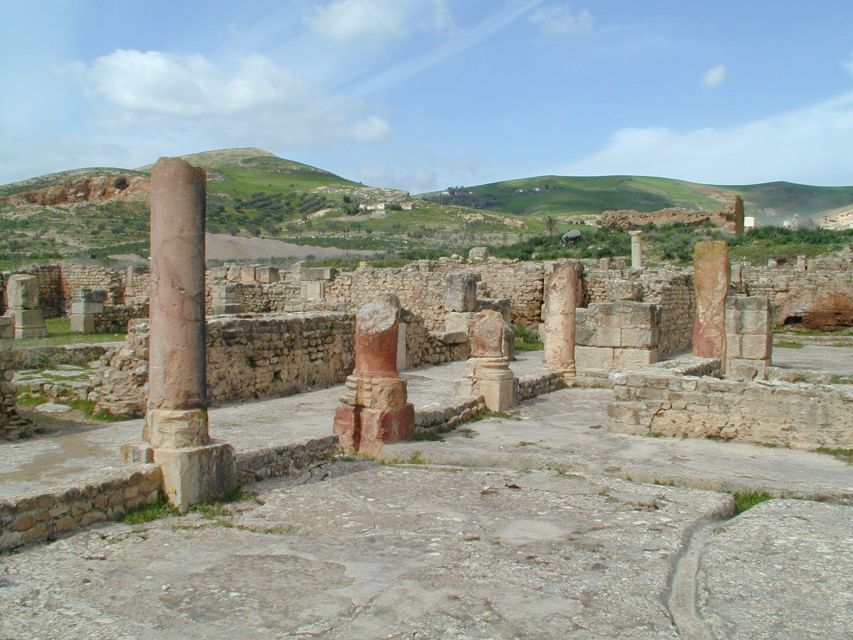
(395, 469)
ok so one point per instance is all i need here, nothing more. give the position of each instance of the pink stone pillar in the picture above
(193, 468)
(177, 381)
(562, 297)
(711, 276)
(374, 409)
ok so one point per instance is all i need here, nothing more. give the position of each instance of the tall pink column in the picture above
(177, 381)
(562, 297)
(711, 277)
(194, 468)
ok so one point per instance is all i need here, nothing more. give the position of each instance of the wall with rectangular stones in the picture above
(106, 495)
(617, 335)
(660, 401)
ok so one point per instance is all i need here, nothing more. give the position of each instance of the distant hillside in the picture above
(770, 203)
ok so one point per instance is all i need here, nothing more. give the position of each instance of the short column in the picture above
(562, 297)
(636, 249)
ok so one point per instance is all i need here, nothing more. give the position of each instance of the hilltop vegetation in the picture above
(771, 203)
(94, 213)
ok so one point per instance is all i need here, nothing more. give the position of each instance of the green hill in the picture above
(770, 203)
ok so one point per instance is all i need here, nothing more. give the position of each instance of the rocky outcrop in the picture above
(729, 220)
(95, 189)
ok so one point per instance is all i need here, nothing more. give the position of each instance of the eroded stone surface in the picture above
(562, 297)
(711, 273)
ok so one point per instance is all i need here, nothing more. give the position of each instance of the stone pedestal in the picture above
(194, 469)
(487, 372)
(749, 337)
(224, 300)
(374, 408)
(86, 305)
(711, 277)
(636, 249)
(562, 297)
(22, 298)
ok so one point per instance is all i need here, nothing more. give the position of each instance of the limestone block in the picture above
(733, 345)
(460, 292)
(478, 253)
(641, 338)
(196, 474)
(634, 358)
(267, 275)
(7, 328)
(247, 274)
(756, 347)
(136, 452)
(176, 428)
(499, 392)
(593, 357)
(22, 291)
(312, 290)
(29, 323)
(457, 321)
(402, 354)
(491, 337)
(82, 323)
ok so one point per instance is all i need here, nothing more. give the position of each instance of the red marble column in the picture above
(711, 276)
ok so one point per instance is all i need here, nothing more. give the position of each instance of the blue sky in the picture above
(423, 94)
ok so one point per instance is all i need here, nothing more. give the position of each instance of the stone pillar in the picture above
(375, 410)
(86, 305)
(23, 306)
(802, 263)
(461, 292)
(711, 276)
(194, 468)
(636, 249)
(487, 371)
(12, 426)
(749, 337)
(562, 297)
(736, 213)
(604, 264)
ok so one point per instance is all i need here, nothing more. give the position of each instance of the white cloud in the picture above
(810, 145)
(254, 98)
(558, 21)
(715, 76)
(354, 21)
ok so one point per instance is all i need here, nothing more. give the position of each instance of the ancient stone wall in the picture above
(431, 347)
(659, 401)
(115, 318)
(818, 296)
(77, 276)
(107, 495)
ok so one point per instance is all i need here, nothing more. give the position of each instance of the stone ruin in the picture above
(194, 468)
(563, 296)
(12, 426)
(375, 409)
(22, 291)
(487, 372)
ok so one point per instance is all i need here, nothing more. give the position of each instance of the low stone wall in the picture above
(425, 347)
(664, 401)
(272, 462)
(116, 318)
(537, 384)
(443, 417)
(48, 357)
(617, 335)
(107, 495)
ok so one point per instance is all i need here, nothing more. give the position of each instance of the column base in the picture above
(196, 474)
(366, 430)
(499, 395)
(176, 428)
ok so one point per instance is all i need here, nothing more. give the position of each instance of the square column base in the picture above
(196, 474)
(499, 395)
(366, 430)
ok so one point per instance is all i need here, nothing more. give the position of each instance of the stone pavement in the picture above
(516, 527)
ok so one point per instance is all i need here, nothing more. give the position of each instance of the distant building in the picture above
(749, 223)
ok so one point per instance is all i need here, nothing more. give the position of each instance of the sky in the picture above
(425, 94)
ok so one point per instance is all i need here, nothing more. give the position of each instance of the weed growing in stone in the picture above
(430, 436)
(747, 499)
(842, 454)
(788, 344)
(149, 512)
(416, 458)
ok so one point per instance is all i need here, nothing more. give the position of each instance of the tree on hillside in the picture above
(550, 225)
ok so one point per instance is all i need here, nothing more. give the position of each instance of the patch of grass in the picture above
(416, 458)
(430, 436)
(836, 379)
(788, 344)
(842, 454)
(747, 499)
(525, 339)
(59, 333)
(656, 434)
(149, 512)
(486, 414)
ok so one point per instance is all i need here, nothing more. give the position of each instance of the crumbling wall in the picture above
(661, 401)
(816, 294)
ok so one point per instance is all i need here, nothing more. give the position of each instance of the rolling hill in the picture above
(771, 203)
(98, 212)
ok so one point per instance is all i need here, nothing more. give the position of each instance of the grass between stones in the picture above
(745, 500)
(788, 344)
(842, 454)
(59, 333)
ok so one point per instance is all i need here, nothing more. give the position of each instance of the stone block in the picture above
(380, 427)
(29, 324)
(312, 290)
(733, 345)
(7, 328)
(478, 253)
(593, 357)
(137, 452)
(267, 275)
(457, 321)
(499, 394)
(176, 428)
(22, 291)
(247, 274)
(460, 292)
(756, 347)
(640, 338)
(634, 358)
(82, 323)
(196, 474)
